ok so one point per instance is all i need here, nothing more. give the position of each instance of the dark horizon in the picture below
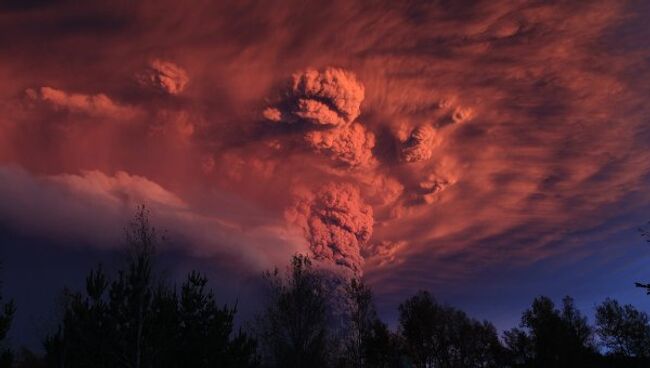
(90, 322)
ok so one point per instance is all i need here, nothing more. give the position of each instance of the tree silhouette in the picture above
(369, 342)
(109, 325)
(520, 349)
(645, 233)
(135, 322)
(294, 326)
(7, 311)
(312, 318)
(441, 336)
(82, 337)
(205, 330)
(643, 286)
(552, 337)
(623, 330)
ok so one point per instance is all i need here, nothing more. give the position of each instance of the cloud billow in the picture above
(330, 97)
(336, 222)
(164, 76)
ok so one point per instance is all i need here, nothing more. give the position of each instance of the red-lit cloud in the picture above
(94, 106)
(349, 145)
(476, 131)
(164, 76)
(331, 97)
(336, 223)
(419, 144)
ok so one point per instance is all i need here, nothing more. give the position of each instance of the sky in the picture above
(487, 151)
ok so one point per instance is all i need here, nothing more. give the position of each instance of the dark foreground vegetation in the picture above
(312, 318)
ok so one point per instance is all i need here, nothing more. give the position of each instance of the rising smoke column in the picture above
(336, 223)
(335, 220)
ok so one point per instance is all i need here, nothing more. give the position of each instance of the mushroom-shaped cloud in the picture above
(336, 223)
(331, 97)
(350, 145)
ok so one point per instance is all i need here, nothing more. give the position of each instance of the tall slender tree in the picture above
(369, 342)
(294, 327)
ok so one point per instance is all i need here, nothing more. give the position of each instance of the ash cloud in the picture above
(336, 222)
(538, 111)
(330, 97)
(164, 77)
(419, 145)
(351, 145)
(328, 101)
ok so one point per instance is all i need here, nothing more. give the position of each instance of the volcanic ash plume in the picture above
(331, 97)
(350, 145)
(419, 146)
(165, 77)
(336, 223)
